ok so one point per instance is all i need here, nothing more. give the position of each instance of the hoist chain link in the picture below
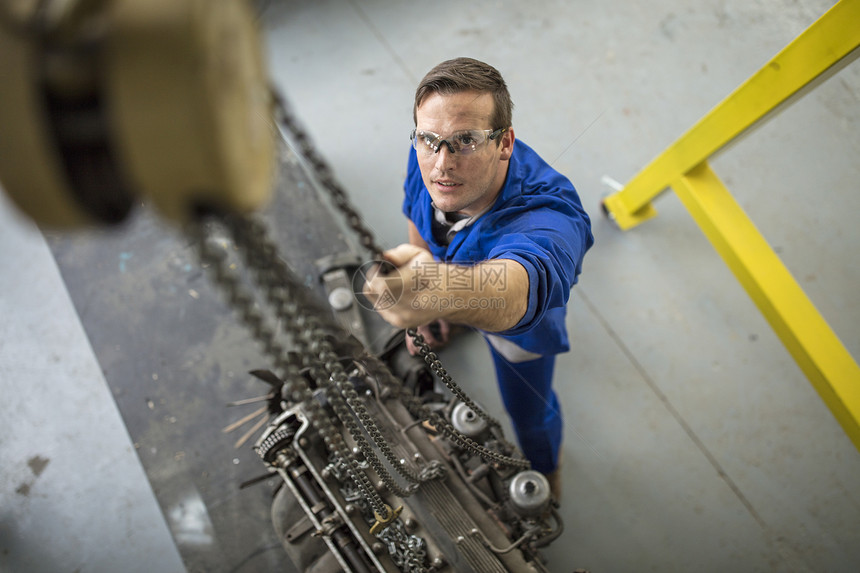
(421, 411)
(275, 278)
(324, 174)
(243, 303)
(435, 365)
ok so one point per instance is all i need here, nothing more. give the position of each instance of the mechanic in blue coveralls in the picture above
(496, 242)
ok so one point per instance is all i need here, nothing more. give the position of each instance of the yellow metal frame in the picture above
(826, 46)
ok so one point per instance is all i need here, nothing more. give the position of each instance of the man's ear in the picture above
(506, 146)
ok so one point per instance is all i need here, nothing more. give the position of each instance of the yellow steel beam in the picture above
(819, 353)
(828, 44)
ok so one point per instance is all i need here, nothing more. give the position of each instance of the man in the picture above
(496, 241)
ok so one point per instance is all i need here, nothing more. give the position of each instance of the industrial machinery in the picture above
(452, 509)
(387, 464)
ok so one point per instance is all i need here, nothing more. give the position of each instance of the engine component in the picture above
(530, 495)
(443, 526)
(467, 422)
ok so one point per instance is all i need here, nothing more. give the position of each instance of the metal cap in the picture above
(466, 421)
(530, 494)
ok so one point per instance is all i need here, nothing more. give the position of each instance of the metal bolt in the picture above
(303, 442)
(377, 547)
(410, 524)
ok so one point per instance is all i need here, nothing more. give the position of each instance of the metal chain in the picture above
(296, 388)
(279, 286)
(325, 176)
(407, 551)
(421, 411)
(432, 360)
(306, 329)
(341, 200)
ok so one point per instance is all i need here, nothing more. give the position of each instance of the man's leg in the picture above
(535, 412)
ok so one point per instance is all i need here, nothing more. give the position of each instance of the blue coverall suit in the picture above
(538, 221)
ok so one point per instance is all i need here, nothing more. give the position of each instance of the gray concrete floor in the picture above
(73, 495)
(693, 442)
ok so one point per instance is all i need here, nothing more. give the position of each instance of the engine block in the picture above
(474, 517)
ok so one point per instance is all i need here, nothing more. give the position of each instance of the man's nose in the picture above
(445, 157)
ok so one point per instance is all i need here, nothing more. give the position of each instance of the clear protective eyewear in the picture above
(463, 142)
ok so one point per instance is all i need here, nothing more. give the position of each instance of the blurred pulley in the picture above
(107, 102)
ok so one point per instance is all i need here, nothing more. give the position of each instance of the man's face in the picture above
(464, 183)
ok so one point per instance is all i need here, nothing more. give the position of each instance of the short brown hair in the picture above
(467, 74)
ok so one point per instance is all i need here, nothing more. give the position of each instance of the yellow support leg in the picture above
(819, 353)
(828, 44)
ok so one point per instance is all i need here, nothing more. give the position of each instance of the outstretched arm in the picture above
(491, 296)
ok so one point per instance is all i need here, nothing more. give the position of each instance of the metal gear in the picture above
(275, 442)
